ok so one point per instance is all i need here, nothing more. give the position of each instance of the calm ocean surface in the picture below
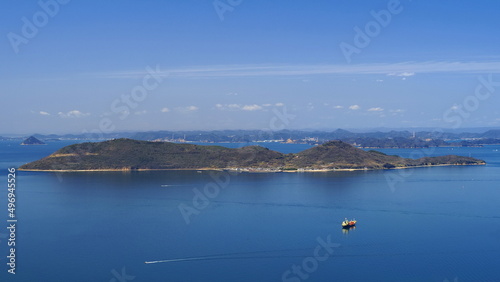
(423, 224)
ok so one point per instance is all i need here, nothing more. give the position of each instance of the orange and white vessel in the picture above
(348, 223)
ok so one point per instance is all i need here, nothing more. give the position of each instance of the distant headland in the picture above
(32, 141)
(129, 154)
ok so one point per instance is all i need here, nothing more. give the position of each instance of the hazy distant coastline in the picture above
(375, 139)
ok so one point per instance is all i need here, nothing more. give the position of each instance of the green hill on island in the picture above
(128, 154)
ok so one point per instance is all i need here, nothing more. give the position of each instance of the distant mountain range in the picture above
(339, 134)
(378, 139)
(259, 135)
(128, 154)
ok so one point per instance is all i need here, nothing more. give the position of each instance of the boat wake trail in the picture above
(242, 255)
(304, 253)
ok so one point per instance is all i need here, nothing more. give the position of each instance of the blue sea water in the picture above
(422, 224)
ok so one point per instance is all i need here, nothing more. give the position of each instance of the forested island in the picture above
(128, 154)
(32, 141)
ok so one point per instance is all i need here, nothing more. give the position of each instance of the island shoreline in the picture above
(250, 170)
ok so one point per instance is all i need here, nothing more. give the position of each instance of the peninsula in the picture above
(32, 141)
(128, 154)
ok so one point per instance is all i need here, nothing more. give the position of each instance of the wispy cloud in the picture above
(354, 107)
(187, 109)
(377, 109)
(165, 110)
(44, 113)
(402, 74)
(397, 111)
(402, 69)
(253, 107)
(73, 114)
(232, 107)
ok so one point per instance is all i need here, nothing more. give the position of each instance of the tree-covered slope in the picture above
(133, 154)
(340, 155)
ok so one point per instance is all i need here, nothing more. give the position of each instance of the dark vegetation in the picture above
(32, 141)
(128, 154)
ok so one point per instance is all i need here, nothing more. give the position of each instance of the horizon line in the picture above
(359, 130)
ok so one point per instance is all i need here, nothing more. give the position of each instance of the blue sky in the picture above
(80, 66)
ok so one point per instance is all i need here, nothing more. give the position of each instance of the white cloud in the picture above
(377, 109)
(233, 106)
(187, 109)
(225, 107)
(338, 107)
(44, 113)
(253, 107)
(354, 107)
(397, 111)
(165, 110)
(73, 114)
(407, 74)
(379, 80)
(402, 74)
